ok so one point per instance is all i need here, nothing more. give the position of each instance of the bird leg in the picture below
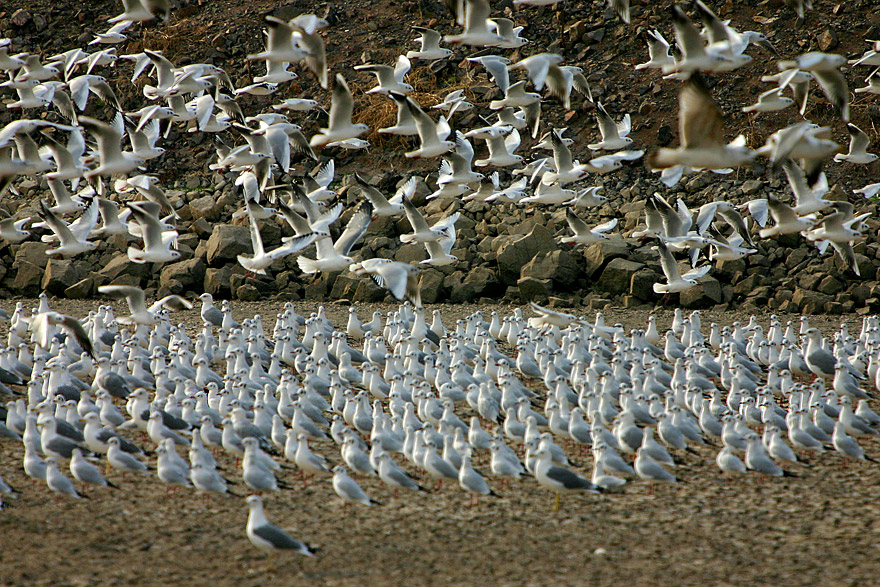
(556, 504)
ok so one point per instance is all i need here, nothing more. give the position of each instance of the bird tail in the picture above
(136, 255)
(307, 265)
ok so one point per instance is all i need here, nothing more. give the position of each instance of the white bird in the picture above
(158, 242)
(84, 471)
(701, 130)
(406, 122)
(675, 281)
(430, 46)
(390, 78)
(401, 279)
(858, 147)
(501, 151)
(113, 161)
(267, 536)
(143, 10)
(347, 488)
(583, 234)
(658, 51)
(72, 238)
(262, 259)
(769, 101)
(280, 47)
(432, 135)
(57, 482)
(614, 134)
(422, 231)
(476, 26)
(12, 230)
(340, 126)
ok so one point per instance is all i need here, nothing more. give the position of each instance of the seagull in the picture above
(558, 478)
(348, 489)
(42, 324)
(84, 471)
(470, 480)
(136, 300)
(702, 134)
(71, 237)
(432, 135)
(113, 161)
(422, 232)
(406, 123)
(143, 11)
(769, 101)
(476, 26)
(390, 78)
(262, 259)
(583, 234)
(825, 69)
(266, 535)
(280, 37)
(504, 27)
(57, 482)
(12, 230)
(675, 281)
(157, 241)
(694, 54)
(340, 126)
(869, 191)
(430, 46)
(401, 279)
(858, 146)
(658, 51)
(501, 151)
(614, 135)
(382, 206)
(496, 67)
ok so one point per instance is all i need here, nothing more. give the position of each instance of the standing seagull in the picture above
(267, 536)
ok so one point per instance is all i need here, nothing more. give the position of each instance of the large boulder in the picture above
(617, 276)
(431, 281)
(121, 266)
(514, 252)
(479, 282)
(33, 252)
(28, 278)
(600, 254)
(177, 278)
(558, 266)
(227, 242)
(59, 275)
(707, 292)
(532, 289)
(218, 281)
(206, 207)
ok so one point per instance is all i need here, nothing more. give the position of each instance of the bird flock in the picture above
(73, 129)
(415, 404)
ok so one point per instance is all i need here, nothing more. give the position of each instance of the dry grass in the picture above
(378, 111)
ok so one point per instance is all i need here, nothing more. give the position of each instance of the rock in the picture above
(32, 252)
(28, 278)
(558, 266)
(617, 276)
(345, 287)
(478, 282)
(534, 290)
(182, 276)
(121, 266)
(641, 284)
(431, 281)
(809, 302)
(20, 18)
(227, 242)
(664, 135)
(411, 253)
(201, 228)
(830, 286)
(513, 255)
(368, 291)
(84, 288)
(247, 292)
(827, 40)
(707, 292)
(598, 255)
(59, 275)
(218, 281)
(752, 186)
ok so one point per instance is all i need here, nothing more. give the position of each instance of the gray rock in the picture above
(641, 284)
(515, 252)
(227, 242)
(28, 278)
(32, 252)
(432, 286)
(84, 288)
(706, 293)
(558, 266)
(600, 254)
(218, 281)
(532, 289)
(59, 275)
(182, 276)
(617, 276)
(206, 207)
(120, 266)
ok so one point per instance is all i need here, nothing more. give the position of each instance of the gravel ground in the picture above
(819, 527)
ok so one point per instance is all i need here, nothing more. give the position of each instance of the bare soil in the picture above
(819, 528)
